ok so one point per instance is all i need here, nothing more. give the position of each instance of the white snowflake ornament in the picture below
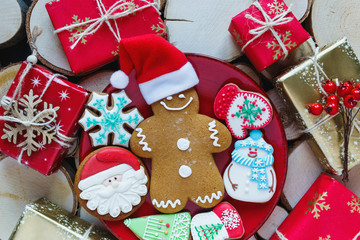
(110, 120)
(223, 222)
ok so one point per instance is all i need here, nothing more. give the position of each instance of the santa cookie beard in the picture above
(182, 142)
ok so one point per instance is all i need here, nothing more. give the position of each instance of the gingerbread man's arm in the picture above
(219, 137)
(139, 142)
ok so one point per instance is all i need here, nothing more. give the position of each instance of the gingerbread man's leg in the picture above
(211, 191)
(167, 196)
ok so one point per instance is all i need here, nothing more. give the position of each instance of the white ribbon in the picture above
(268, 25)
(106, 15)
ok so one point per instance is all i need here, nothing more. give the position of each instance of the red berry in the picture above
(330, 87)
(344, 89)
(332, 99)
(332, 108)
(315, 109)
(356, 93)
(350, 101)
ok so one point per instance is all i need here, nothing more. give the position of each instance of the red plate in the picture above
(213, 75)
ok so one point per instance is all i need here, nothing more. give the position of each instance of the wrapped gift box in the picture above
(265, 50)
(299, 88)
(328, 211)
(66, 98)
(101, 47)
(43, 220)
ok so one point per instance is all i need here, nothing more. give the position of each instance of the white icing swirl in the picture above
(162, 204)
(212, 126)
(142, 142)
(209, 199)
(176, 109)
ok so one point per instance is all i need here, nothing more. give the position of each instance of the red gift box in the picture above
(65, 98)
(265, 49)
(328, 211)
(101, 47)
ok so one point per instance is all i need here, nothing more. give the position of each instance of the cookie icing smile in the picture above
(176, 109)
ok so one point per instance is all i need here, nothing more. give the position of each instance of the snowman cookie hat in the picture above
(255, 140)
(106, 163)
(161, 69)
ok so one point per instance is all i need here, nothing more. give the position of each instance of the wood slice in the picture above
(83, 214)
(7, 76)
(96, 82)
(303, 169)
(249, 70)
(12, 18)
(50, 51)
(291, 129)
(21, 185)
(252, 238)
(341, 16)
(203, 28)
(276, 218)
(354, 180)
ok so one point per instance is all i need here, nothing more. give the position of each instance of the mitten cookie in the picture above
(111, 119)
(250, 177)
(161, 227)
(242, 110)
(178, 139)
(222, 223)
(111, 183)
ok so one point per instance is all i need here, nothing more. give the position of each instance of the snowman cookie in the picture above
(242, 110)
(224, 222)
(250, 177)
(161, 227)
(111, 183)
(178, 139)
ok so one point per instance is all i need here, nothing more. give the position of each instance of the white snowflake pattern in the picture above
(35, 82)
(230, 219)
(255, 170)
(258, 161)
(41, 147)
(262, 170)
(255, 176)
(263, 178)
(58, 126)
(64, 95)
(263, 186)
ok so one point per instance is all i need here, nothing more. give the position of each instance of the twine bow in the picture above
(268, 25)
(105, 16)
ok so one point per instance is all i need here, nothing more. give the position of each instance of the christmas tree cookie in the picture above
(223, 222)
(161, 227)
(242, 110)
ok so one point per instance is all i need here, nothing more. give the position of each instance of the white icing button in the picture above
(183, 144)
(185, 171)
(169, 98)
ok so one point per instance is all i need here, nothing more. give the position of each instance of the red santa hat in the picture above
(106, 163)
(161, 69)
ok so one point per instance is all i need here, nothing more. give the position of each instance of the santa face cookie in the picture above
(111, 183)
(242, 110)
(250, 177)
(161, 227)
(222, 223)
(180, 142)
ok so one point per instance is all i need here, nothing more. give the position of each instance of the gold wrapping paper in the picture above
(299, 88)
(43, 220)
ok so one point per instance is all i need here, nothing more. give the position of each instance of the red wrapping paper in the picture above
(328, 211)
(265, 50)
(100, 48)
(71, 99)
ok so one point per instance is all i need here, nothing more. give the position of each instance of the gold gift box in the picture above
(299, 87)
(44, 220)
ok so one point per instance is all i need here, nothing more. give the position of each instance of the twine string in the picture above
(105, 16)
(268, 25)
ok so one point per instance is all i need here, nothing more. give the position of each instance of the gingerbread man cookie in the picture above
(178, 139)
